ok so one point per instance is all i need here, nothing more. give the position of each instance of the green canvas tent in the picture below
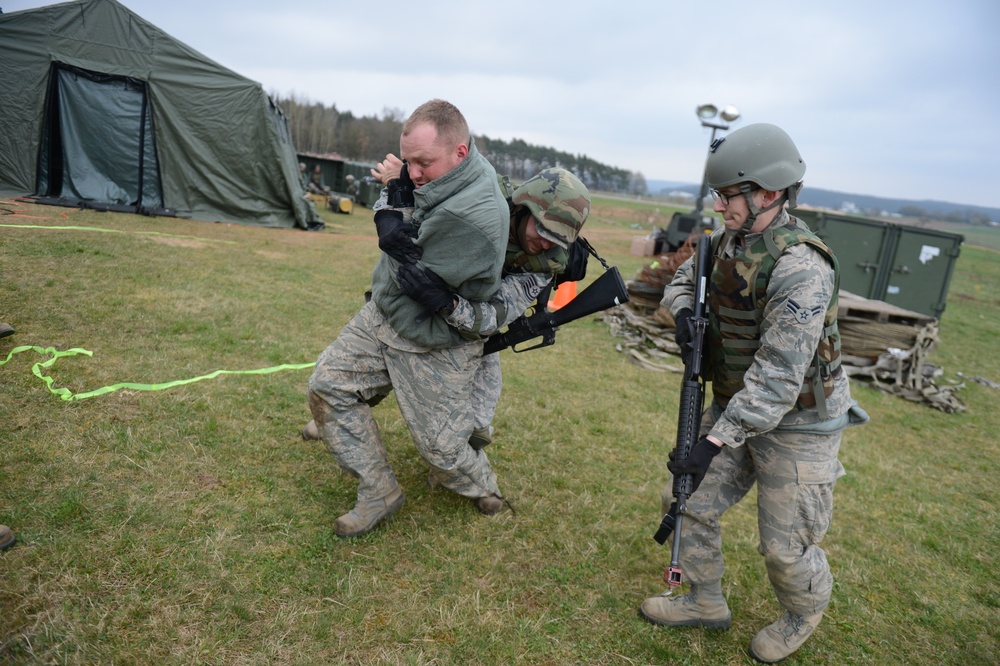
(100, 108)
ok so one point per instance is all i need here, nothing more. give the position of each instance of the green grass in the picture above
(194, 526)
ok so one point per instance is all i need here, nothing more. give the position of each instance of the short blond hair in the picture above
(446, 119)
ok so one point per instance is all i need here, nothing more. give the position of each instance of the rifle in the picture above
(688, 420)
(605, 292)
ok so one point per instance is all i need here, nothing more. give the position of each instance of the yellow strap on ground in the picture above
(66, 394)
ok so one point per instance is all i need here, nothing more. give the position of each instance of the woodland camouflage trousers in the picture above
(795, 475)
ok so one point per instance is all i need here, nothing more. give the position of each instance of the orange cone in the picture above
(565, 293)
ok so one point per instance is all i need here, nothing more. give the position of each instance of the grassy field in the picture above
(193, 526)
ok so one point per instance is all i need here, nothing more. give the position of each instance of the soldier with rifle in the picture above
(544, 248)
(547, 213)
(780, 399)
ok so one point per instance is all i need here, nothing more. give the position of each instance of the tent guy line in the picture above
(115, 231)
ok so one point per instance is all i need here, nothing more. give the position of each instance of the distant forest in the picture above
(319, 129)
(858, 204)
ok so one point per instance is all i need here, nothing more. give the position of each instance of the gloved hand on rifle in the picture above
(395, 236)
(425, 287)
(683, 333)
(697, 461)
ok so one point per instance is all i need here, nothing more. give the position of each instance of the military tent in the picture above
(100, 108)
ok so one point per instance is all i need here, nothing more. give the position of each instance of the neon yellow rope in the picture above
(66, 394)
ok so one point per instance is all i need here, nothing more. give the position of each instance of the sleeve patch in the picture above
(803, 315)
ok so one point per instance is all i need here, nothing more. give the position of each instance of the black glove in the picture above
(400, 190)
(425, 287)
(395, 237)
(696, 463)
(682, 334)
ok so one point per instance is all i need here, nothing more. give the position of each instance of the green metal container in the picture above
(906, 266)
(335, 173)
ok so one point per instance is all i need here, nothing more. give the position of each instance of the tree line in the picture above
(319, 129)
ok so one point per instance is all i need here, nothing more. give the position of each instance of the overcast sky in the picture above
(883, 97)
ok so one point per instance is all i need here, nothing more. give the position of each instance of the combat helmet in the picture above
(559, 201)
(761, 153)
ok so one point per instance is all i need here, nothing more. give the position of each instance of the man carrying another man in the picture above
(398, 343)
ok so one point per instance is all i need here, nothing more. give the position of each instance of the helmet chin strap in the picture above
(754, 211)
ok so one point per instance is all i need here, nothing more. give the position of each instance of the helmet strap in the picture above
(754, 210)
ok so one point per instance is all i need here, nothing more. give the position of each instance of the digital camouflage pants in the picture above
(433, 389)
(486, 387)
(795, 475)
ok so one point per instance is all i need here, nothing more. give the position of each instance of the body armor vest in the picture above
(737, 297)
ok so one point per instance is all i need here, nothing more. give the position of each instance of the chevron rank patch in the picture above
(803, 315)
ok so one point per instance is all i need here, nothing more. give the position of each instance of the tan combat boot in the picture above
(776, 641)
(703, 606)
(366, 514)
(310, 431)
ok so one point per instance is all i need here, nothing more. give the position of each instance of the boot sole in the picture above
(720, 624)
(762, 660)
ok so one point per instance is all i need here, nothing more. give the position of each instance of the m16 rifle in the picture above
(605, 292)
(691, 403)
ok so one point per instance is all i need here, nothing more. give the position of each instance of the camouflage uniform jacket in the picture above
(525, 276)
(801, 279)
(462, 221)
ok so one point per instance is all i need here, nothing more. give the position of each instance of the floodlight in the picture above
(730, 113)
(706, 111)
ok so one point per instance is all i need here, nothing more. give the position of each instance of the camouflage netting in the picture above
(880, 343)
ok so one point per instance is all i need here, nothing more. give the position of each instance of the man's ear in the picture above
(462, 150)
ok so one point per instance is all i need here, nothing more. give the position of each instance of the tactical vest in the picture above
(738, 295)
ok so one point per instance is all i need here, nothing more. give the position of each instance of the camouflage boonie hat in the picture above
(559, 202)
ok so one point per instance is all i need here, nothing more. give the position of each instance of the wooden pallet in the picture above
(860, 308)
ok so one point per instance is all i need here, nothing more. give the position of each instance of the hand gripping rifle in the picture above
(605, 292)
(689, 418)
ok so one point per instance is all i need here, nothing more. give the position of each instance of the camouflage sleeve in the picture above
(798, 294)
(517, 292)
(679, 292)
(383, 204)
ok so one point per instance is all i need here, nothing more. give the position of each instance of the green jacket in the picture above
(462, 221)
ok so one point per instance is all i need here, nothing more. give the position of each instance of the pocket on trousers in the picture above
(814, 509)
(812, 473)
